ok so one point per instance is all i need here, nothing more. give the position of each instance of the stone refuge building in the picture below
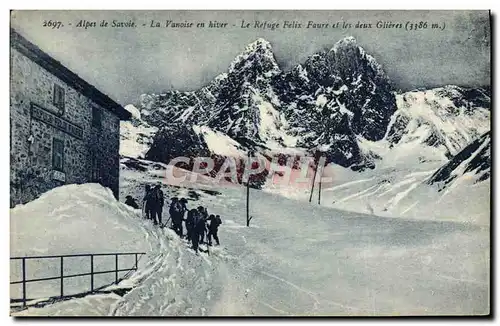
(62, 129)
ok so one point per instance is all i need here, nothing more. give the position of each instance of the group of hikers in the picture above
(200, 225)
(153, 203)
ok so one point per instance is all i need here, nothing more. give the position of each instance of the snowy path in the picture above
(173, 287)
(301, 259)
(298, 259)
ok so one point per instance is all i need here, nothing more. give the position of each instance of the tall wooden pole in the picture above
(312, 186)
(319, 192)
(314, 178)
(248, 202)
(250, 154)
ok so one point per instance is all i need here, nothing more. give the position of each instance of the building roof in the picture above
(57, 69)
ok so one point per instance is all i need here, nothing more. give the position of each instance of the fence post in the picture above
(24, 282)
(62, 277)
(136, 261)
(116, 268)
(91, 273)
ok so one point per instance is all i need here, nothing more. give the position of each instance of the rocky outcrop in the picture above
(475, 158)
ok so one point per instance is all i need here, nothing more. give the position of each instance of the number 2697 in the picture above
(54, 24)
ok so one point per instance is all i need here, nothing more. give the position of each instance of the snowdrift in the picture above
(170, 280)
(72, 219)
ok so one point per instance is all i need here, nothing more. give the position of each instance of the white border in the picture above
(189, 4)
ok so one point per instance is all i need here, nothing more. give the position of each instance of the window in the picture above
(96, 117)
(94, 169)
(58, 99)
(58, 154)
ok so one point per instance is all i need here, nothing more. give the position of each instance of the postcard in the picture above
(250, 163)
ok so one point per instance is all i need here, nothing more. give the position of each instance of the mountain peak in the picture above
(349, 44)
(258, 50)
(259, 43)
(348, 40)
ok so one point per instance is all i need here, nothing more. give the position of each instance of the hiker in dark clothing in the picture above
(157, 201)
(204, 215)
(190, 224)
(177, 215)
(148, 202)
(198, 225)
(131, 202)
(171, 211)
(213, 228)
(183, 202)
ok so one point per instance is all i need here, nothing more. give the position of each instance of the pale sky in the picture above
(127, 62)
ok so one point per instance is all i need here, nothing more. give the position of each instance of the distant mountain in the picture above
(339, 102)
(323, 104)
(230, 103)
(342, 81)
(390, 151)
(335, 96)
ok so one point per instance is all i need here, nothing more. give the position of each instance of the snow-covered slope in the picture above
(406, 193)
(299, 259)
(473, 163)
(219, 143)
(136, 135)
(447, 118)
(457, 189)
(434, 135)
(136, 138)
(60, 216)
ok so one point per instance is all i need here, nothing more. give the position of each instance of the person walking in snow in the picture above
(158, 201)
(213, 228)
(204, 214)
(171, 211)
(130, 201)
(198, 227)
(183, 202)
(190, 224)
(147, 202)
(177, 215)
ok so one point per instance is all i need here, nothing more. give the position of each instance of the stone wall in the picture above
(31, 139)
